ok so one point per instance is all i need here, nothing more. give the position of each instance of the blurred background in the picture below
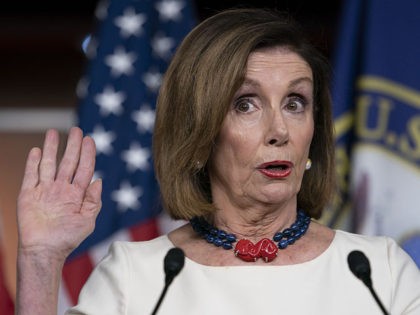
(43, 62)
(41, 44)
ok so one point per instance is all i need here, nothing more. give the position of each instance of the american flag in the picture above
(128, 54)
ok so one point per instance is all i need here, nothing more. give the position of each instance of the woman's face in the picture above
(261, 151)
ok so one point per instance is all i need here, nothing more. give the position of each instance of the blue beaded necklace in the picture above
(245, 249)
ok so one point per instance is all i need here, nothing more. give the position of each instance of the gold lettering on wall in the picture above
(376, 132)
(410, 142)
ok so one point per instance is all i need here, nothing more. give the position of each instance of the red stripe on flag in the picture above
(146, 230)
(75, 274)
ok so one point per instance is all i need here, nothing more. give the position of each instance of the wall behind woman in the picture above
(42, 64)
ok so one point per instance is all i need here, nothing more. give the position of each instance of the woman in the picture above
(243, 145)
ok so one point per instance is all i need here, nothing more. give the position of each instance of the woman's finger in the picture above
(48, 164)
(31, 176)
(92, 202)
(86, 166)
(71, 155)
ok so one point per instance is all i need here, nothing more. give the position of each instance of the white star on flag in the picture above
(101, 11)
(136, 157)
(103, 140)
(91, 47)
(121, 62)
(97, 175)
(162, 45)
(153, 80)
(144, 118)
(110, 101)
(82, 87)
(130, 23)
(170, 9)
(127, 197)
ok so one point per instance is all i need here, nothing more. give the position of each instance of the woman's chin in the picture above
(274, 195)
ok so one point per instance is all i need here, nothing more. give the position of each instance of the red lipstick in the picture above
(276, 169)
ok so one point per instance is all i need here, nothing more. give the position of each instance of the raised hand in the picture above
(56, 209)
(58, 205)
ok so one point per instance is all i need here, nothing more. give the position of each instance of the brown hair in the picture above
(197, 91)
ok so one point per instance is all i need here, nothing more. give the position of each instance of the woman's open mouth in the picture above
(276, 169)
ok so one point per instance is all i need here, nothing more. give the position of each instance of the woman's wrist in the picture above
(41, 255)
(39, 272)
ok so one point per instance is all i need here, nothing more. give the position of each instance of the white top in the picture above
(130, 279)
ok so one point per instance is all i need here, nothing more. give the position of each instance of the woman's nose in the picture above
(278, 133)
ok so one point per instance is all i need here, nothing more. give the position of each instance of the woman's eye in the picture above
(244, 105)
(296, 104)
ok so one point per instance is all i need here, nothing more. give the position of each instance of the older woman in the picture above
(243, 149)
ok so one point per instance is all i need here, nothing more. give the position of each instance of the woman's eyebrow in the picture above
(248, 82)
(298, 81)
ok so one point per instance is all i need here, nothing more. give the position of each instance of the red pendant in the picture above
(248, 251)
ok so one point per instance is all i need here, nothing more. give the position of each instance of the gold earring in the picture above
(308, 164)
